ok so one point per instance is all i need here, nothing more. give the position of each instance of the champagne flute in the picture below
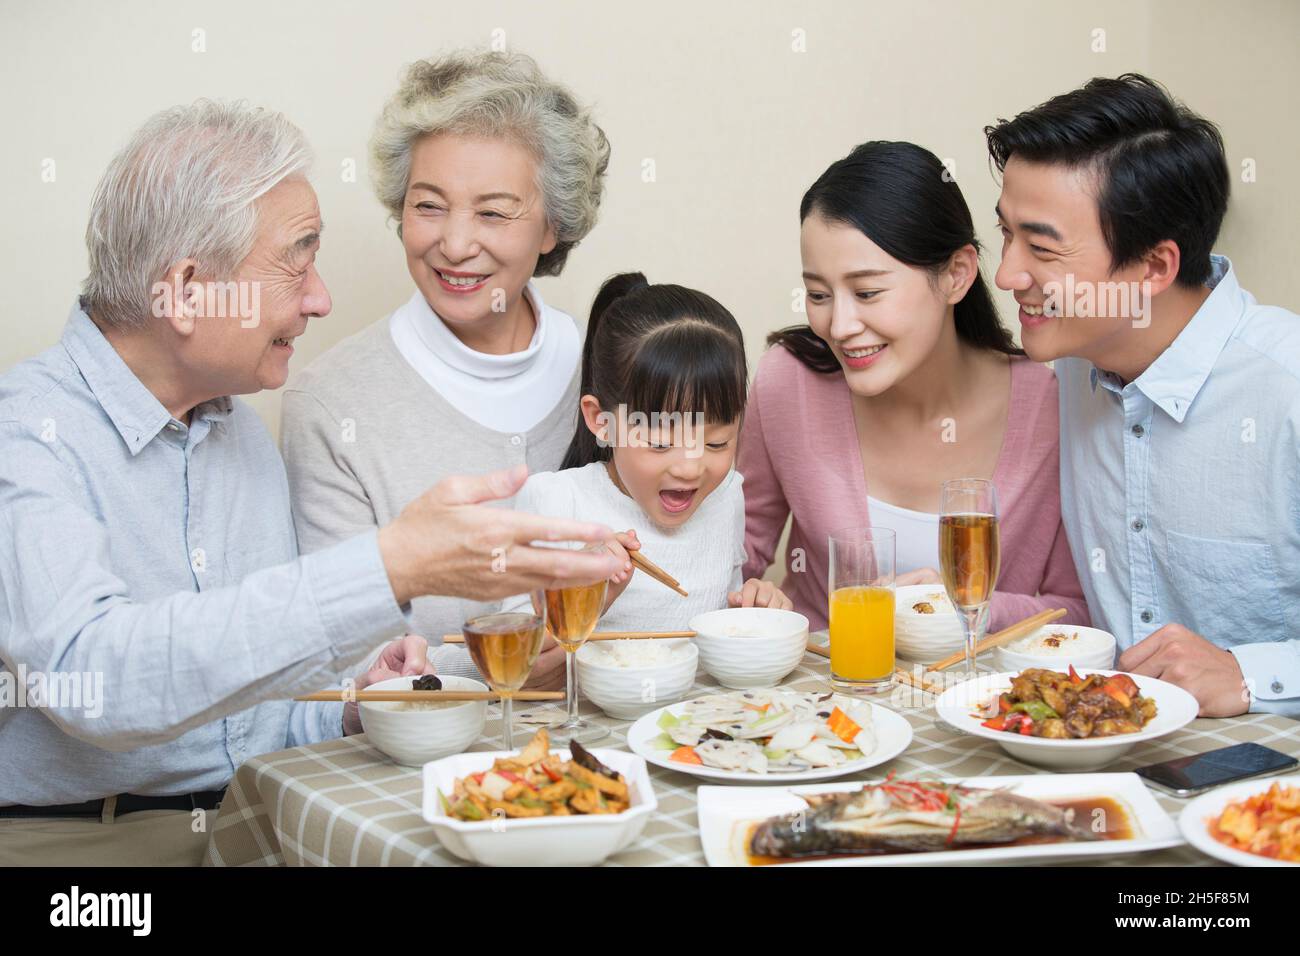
(571, 616)
(862, 609)
(969, 554)
(505, 646)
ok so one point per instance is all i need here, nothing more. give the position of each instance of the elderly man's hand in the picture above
(1180, 656)
(447, 542)
(406, 657)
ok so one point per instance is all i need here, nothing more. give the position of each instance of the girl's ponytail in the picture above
(584, 449)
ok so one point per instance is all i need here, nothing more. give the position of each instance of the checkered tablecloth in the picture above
(344, 803)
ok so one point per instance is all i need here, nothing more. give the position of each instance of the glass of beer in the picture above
(861, 586)
(571, 616)
(505, 645)
(969, 554)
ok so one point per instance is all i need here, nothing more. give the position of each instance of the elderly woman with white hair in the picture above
(493, 174)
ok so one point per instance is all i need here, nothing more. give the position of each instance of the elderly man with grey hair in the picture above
(154, 613)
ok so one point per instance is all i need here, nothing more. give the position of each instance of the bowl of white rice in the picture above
(413, 733)
(927, 628)
(1057, 646)
(629, 678)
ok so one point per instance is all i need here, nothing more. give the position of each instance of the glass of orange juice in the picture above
(861, 586)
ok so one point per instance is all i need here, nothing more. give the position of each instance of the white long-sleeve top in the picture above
(705, 554)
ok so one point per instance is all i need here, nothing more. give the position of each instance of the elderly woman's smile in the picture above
(474, 227)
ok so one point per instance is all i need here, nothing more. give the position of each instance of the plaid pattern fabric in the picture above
(343, 803)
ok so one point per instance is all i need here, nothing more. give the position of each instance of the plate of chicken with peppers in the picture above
(1067, 720)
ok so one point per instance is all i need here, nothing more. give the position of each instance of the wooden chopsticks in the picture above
(1017, 630)
(907, 677)
(656, 572)
(1020, 629)
(604, 636)
(429, 696)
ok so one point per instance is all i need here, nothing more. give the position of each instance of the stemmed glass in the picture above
(505, 645)
(571, 616)
(969, 554)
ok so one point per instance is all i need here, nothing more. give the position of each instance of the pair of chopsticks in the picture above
(1017, 630)
(1020, 629)
(907, 677)
(659, 574)
(604, 636)
(434, 696)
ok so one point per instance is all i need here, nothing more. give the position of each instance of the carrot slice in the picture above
(842, 726)
(684, 754)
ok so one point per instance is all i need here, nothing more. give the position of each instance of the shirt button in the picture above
(1146, 617)
(1139, 431)
(172, 426)
(1138, 524)
(515, 440)
(198, 560)
(1276, 687)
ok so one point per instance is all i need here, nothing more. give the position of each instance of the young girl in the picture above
(663, 394)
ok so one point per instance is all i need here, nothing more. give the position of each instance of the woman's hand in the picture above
(406, 657)
(919, 576)
(757, 593)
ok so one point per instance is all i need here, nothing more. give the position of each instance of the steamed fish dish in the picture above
(1046, 703)
(767, 731)
(906, 816)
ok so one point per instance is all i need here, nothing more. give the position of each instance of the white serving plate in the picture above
(1194, 820)
(580, 840)
(726, 814)
(1175, 708)
(893, 734)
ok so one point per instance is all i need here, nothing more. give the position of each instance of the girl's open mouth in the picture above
(676, 500)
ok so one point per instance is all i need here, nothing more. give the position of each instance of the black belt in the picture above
(126, 803)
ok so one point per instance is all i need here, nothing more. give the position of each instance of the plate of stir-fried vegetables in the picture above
(538, 782)
(1252, 823)
(1066, 720)
(538, 806)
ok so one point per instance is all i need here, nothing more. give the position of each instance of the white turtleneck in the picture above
(507, 393)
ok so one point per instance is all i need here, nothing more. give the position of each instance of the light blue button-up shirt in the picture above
(159, 561)
(1180, 491)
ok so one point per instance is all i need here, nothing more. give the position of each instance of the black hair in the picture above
(902, 198)
(658, 348)
(1161, 169)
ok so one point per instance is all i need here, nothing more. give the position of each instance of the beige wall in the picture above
(736, 121)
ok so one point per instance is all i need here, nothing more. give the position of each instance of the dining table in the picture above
(344, 803)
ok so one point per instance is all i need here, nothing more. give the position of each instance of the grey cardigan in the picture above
(363, 434)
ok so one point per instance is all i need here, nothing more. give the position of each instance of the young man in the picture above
(1180, 395)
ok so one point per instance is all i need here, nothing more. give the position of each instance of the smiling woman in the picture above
(902, 378)
(493, 174)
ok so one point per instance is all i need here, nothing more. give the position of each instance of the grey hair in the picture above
(506, 96)
(184, 186)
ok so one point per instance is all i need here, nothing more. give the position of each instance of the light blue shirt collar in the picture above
(1176, 377)
(134, 411)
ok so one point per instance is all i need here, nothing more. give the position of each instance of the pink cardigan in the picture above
(799, 453)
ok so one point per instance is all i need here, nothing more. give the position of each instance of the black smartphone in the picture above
(1188, 776)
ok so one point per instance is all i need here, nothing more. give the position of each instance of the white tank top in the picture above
(917, 533)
